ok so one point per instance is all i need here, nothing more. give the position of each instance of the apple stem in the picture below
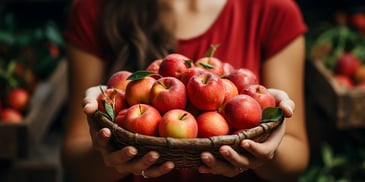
(212, 49)
(183, 116)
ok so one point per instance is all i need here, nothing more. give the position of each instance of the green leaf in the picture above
(109, 110)
(327, 155)
(140, 74)
(207, 65)
(271, 114)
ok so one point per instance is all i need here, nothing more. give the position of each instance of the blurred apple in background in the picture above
(168, 93)
(141, 118)
(9, 115)
(178, 123)
(347, 64)
(344, 80)
(18, 99)
(212, 123)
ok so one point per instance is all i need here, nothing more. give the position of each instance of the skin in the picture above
(273, 159)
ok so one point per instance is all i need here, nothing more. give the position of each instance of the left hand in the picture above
(260, 152)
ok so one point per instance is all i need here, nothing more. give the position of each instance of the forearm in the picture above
(289, 162)
(82, 163)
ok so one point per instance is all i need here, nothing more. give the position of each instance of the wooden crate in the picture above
(346, 107)
(19, 140)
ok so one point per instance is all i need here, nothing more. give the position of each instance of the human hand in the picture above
(120, 160)
(283, 101)
(259, 154)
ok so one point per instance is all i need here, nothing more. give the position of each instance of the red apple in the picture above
(230, 90)
(212, 123)
(119, 118)
(138, 91)
(18, 99)
(261, 95)
(174, 65)
(10, 115)
(154, 66)
(114, 97)
(143, 119)
(242, 78)
(212, 64)
(168, 93)
(344, 80)
(119, 80)
(178, 123)
(359, 75)
(347, 64)
(205, 91)
(228, 68)
(242, 112)
(185, 77)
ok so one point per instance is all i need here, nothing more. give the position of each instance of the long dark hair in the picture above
(135, 33)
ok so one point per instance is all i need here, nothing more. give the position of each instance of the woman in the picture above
(265, 36)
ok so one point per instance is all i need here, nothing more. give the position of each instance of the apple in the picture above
(10, 115)
(212, 123)
(359, 75)
(205, 91)
(261, 95)
(138, 91)
(18, 98)
(358, 21)
(242, 112)
(143, 119)
(168, 93)
(212, 64)
(227, 68)
(242, 78)
(190, 72)
(230, 90)
(178, 123)
(174, 65)
(344, 80)
(154, 66)
(347, 64)
(114, 97)
(119, 118)
(119, 80)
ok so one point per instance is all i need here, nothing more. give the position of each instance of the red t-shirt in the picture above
(248, 31)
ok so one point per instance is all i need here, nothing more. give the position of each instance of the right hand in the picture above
(120, 160)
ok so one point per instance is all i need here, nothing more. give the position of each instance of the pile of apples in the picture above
(13, 107)
(180, 98)
(349, 71)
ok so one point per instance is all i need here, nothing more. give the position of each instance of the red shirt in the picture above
(248, 31)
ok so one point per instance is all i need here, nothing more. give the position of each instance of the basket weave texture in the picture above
(185, 153)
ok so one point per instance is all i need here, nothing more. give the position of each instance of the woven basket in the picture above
(185, 153)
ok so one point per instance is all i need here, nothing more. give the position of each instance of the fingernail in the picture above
(133, 151)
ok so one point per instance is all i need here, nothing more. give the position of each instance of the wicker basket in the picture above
(185, 153)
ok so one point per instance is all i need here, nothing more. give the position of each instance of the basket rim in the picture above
(140, 139)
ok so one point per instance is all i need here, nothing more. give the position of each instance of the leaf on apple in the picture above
(206, 65)
(141, 74)
(271, 114)
(109, 110)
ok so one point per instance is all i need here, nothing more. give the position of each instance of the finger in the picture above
(236, 159)
(101, 139)
(160, 170)
(89, 103)
(119, 157)
(144, 163)
(266, 149)
(283, 101)
(214, 166)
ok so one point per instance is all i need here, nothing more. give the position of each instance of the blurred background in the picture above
(32, 65)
